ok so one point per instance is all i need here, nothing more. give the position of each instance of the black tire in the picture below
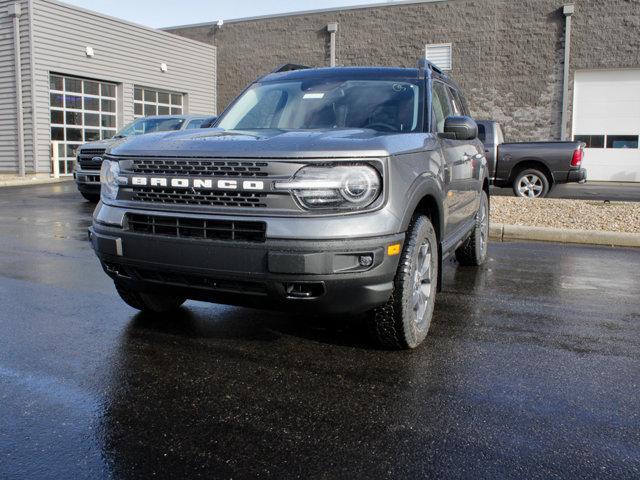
(396, 324)
(148, 302)
(531, 183)
(92, 197)
(473, 252)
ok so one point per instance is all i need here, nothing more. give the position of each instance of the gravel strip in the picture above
(571, 214)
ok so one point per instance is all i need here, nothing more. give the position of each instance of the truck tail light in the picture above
(578, 154)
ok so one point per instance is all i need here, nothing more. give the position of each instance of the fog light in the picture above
(365, 260)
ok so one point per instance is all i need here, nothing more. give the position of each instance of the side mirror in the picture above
(460, 128)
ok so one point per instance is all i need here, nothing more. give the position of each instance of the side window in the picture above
(441, 105)
(456, 102)
(196, 123)
(482, 134)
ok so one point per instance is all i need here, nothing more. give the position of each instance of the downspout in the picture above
(567, 11)
(32, 66)
(15, 11)
(332, 28)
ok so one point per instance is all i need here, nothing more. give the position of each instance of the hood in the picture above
(331, 143)
(100, 144)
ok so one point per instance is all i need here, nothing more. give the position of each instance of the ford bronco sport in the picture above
(338, 190)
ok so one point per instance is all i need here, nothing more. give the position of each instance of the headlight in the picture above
(347, 187)
(109, 173)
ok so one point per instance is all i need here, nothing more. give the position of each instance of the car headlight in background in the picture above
(345, 187)
(109, 179)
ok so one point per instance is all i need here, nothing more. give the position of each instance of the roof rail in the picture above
(425, 67)
(288, 67)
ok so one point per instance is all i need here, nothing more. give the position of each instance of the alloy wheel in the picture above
(530, 186)
(423, 283)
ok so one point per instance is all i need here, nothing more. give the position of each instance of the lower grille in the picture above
(199, 197)
(198, 228)
(188, 280)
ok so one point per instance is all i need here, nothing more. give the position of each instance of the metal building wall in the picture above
(124, 53)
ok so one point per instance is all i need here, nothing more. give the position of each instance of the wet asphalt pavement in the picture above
(531, 370)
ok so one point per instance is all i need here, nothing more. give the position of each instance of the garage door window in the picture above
(622, 141)
(592, 141)
(81, 110)
(148, 101)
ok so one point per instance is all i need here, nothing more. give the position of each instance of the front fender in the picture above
(426, 185)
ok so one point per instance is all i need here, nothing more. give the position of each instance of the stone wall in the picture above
(507, 55)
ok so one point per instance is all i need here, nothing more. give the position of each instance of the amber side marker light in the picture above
(393, 249)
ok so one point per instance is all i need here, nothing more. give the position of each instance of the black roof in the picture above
(301, 73)
(351, 72)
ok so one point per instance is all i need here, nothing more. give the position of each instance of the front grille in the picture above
(199, 167)
(198, 228)
(199, 197)
(188, 279)
(86, 155)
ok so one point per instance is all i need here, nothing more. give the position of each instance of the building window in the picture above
(440, 55)
(592, 141)
(81, 110)
(156, 102)
(622, 141)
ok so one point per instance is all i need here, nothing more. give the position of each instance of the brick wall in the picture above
(507, 55)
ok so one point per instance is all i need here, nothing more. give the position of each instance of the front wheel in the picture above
(474, 249)
(403, 322)
(531, 183)
(149, 302)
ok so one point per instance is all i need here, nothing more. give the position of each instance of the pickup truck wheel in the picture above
(473, 251)
(92, 197)
(531, 183)
(403, 322)
(148, 302)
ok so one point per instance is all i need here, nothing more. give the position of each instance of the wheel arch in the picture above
(426, 197)
(535, 163)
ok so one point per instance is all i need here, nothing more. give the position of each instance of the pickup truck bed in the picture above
(530, 168)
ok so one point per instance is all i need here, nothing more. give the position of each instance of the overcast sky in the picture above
(167, 13)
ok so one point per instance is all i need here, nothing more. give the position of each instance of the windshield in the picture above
(149, 125)
(382, 105)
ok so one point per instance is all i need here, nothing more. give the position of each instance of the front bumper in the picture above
(88, 181)
(318, 275)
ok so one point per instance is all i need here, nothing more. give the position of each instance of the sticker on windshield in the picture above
(313, 95)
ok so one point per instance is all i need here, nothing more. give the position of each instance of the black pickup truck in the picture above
(530, 168)
(329, 190)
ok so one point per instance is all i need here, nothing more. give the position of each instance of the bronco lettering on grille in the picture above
(201, 183)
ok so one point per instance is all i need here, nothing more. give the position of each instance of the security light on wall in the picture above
(163, 67)
(89, 52)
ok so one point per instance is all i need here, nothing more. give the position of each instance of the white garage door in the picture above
(606, 115)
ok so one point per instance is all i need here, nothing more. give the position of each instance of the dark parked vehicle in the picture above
(89, 155)
(530, 168)
(332, 190)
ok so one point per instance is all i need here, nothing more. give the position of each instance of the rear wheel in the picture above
(403, 322)
(474, 250)
(149, 302)
(531, 183)
(92, 197)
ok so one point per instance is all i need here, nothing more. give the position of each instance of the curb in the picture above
(32, 181)
(505, 233)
